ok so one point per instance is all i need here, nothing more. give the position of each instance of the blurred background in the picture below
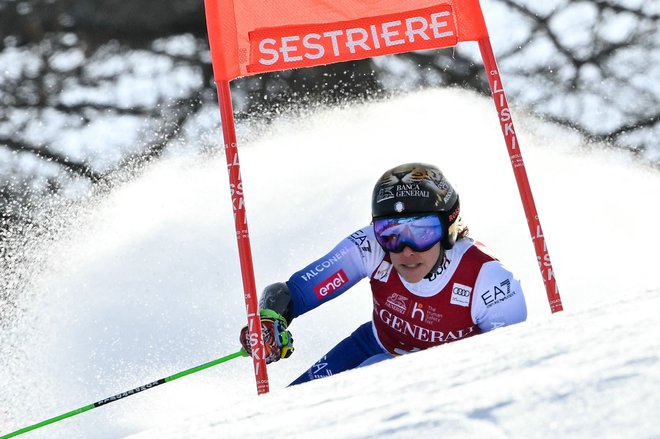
(92, 91)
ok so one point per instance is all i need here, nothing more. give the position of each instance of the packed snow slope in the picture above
(150, 285)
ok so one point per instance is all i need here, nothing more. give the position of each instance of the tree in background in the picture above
(78, 72)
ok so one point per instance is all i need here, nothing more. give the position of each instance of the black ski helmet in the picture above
(418, 188)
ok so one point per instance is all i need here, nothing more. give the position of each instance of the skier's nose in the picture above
(407, 251)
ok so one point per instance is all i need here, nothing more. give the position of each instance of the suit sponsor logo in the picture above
(313, 271)
(331, 284)
(421, 333)
(383, 272)
(418, 311)
(441, 268)
(425, 313)
(460, 295)
(320, 369)
(360, 239)
(498, 293)
(397, 303)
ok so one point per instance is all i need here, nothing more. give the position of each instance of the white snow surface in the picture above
(149, 285)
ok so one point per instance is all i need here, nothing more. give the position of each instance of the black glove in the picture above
(277, 339)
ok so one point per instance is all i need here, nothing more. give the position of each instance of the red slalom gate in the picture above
(249, 37)
(509, 133)
(243, 237)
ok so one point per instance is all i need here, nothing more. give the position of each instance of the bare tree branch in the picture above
(81, 169)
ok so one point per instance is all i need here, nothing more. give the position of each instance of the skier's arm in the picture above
(326, 278)
(498, 298)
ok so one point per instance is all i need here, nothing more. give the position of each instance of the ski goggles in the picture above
(420, 233)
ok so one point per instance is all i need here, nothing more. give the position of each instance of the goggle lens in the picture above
(420, 233)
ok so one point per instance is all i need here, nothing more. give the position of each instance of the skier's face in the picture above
(412, 265)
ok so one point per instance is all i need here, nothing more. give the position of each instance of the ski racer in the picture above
(431, 284)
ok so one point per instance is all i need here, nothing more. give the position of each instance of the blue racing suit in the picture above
(469, 293)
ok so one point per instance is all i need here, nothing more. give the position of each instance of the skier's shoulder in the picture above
(490, 271)
(364, 240)
(472, 251)
(360, 235)
(346, 263)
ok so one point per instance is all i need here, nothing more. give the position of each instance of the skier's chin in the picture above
(414, 265)
(412, 274)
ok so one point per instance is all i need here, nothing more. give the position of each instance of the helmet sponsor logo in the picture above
(399, 206)
(385, 193)
(406, 190)
(441, 182)
(397, 302)
(422, 188)
(454, 214)
(460, 295)
(331, 284)
(411, 190)
(447, 197)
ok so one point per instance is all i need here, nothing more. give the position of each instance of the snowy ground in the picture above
(151, 287)
(591, 373)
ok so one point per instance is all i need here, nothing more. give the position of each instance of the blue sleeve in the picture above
(333, 274)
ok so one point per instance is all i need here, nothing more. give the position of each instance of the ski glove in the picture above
(277, 339)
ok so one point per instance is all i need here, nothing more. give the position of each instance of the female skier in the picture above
(431, 284)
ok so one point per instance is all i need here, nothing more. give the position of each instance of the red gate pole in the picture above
(506, 123)
(242, 236)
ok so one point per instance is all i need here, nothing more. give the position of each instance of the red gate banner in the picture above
(254, 36)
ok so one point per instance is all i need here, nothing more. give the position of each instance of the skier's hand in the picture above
(277, 339)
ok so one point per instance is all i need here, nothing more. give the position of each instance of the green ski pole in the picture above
(121, 395)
